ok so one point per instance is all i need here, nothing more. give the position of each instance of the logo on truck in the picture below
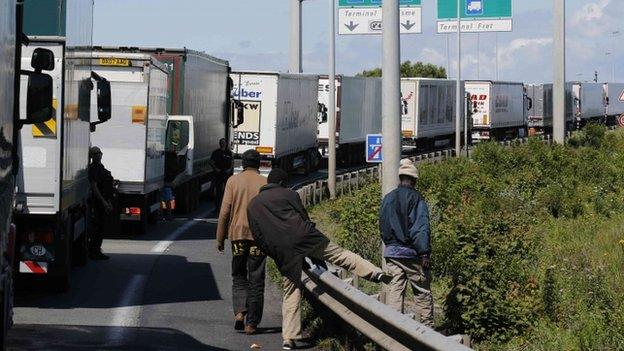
(248, 132)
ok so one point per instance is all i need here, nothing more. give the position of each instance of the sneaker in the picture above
(239, 323)
(382, 277)
(289, 345)
(98, 255)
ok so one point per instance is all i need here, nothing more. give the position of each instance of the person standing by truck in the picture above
(248, 261)
(101, 201)
(222, 159)
(405, 231)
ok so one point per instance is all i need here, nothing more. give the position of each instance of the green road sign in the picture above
(477, 9)
(374, 3)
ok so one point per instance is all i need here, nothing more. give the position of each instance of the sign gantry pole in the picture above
(458, 86)
(331, 108)
(559, 72)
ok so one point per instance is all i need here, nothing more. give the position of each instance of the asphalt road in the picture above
(166, 290)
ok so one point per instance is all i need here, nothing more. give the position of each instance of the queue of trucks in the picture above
(158, 114)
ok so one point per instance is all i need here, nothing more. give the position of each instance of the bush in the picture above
(515, 235)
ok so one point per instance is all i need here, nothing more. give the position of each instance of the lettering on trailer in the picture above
(246, 93)
(405, 103)
(248, 133)
(373, 148)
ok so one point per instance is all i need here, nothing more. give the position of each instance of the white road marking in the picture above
(162, 246)
(126, 315)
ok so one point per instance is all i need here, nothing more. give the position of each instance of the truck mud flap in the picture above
(33, 267)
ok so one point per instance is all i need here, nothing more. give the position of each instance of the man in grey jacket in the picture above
(404, 225)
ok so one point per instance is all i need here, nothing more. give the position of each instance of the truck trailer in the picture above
(279, 119)
(51, 204)
(133, 141)
(428, 113)
(498, 110)
(614, 101)
(358, 113)
(540, 108)
(199, 98)
(589, 103)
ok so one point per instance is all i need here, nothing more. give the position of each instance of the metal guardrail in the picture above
(382, 324)
(385, 326)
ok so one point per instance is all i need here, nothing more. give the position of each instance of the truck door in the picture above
(179, 147)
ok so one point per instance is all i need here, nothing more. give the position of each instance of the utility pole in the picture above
(391, 96)
(559, 72)
(295, 37)
(331, 109)
(448, 57)
(458, 88)
(496, 54)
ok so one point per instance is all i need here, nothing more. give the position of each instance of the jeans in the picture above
(248, 272)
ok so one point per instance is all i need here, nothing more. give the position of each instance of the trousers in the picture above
(410, 270)
(332, 253)
(248, 272)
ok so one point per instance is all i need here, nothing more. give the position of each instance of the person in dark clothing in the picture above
(102, 189)
(222, 159)
(404, 226)
(283, 230)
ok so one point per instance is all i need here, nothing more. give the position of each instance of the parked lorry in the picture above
(133, 141)
(38, 109)
(279, 119)
(498, 109)
(589, 102)
(428, 113)
(540, 110)
(614, 101)
(51, 204)
(358, 113)
(198, 105)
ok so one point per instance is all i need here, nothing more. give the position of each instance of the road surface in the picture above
(166, 290)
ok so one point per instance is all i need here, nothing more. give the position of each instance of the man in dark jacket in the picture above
(222, 159)
(404, 224)
(102, 189)
(282, 229)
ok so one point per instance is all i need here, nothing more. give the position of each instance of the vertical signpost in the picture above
(471, 16)
(559, 72)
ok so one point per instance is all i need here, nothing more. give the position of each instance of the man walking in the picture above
(404, 224)
(282, 228)
(248, 261)
(102, 189)
(222, 159)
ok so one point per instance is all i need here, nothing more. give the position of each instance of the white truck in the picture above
(279, 119)
(498, 110)
(358, 113)
(614, 101)
(133, 141)
(39, 108)
(589, 102)
(428, 113)
(51, 203)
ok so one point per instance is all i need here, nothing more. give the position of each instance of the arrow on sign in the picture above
(351, 26)
(408, 25)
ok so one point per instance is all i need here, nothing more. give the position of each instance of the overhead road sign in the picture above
(373, 148)
(477, 16)
(364, 17)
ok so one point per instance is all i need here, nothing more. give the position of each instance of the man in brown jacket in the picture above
(248, 261)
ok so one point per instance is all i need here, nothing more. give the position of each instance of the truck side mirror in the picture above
(322, 113)
(39, 98)
(530, 101)
(42, 60)
(104, 100)
(238, 113)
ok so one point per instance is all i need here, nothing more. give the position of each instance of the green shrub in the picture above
(519, 237)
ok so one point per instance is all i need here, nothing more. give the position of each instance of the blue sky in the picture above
(253, 35)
